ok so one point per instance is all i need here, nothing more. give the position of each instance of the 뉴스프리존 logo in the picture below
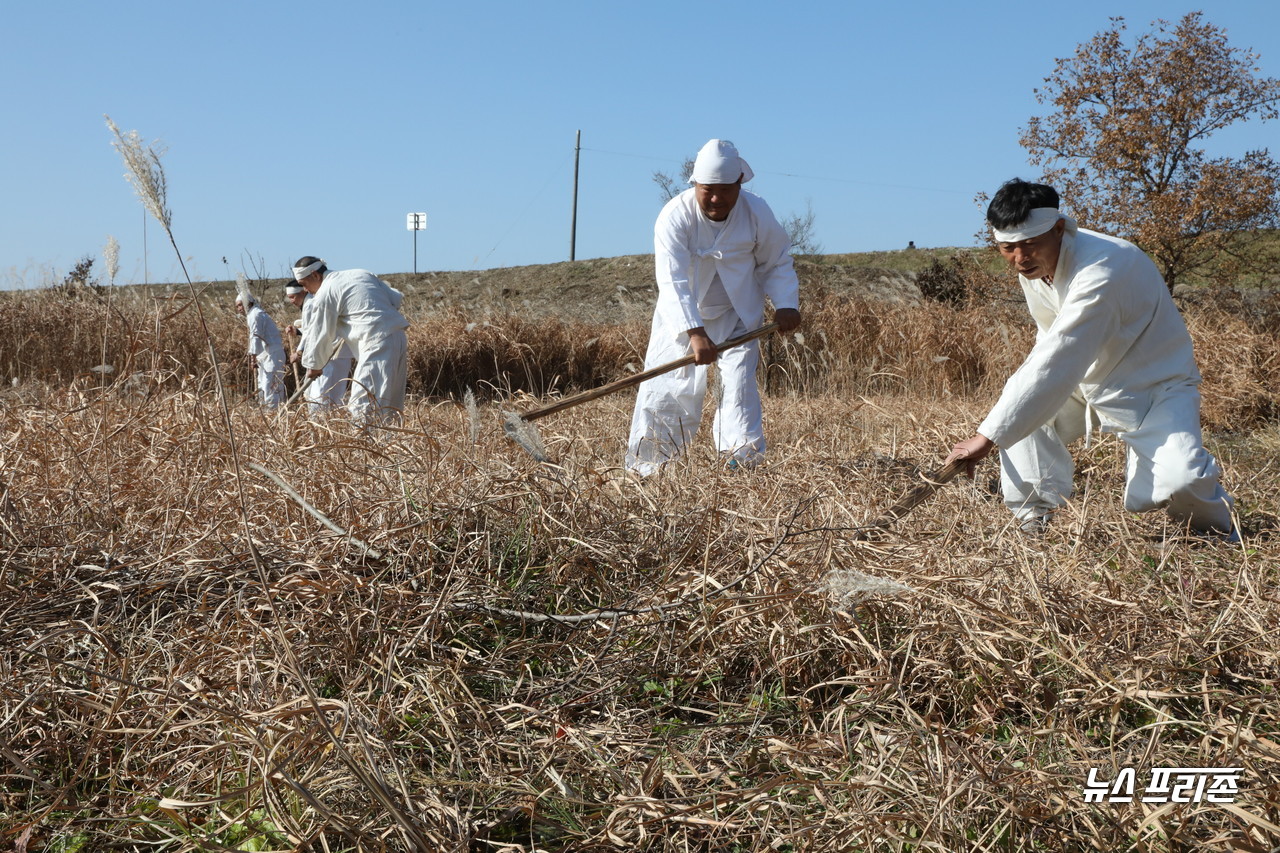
(1167, 785)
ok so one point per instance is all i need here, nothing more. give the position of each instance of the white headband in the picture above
(299, 273)
(294, 289)
(1038, 222)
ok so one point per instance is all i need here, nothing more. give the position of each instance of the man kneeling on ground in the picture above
(1112, 350)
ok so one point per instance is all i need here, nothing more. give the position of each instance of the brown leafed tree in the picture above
(1125, 150)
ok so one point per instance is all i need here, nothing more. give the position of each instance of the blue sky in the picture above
(315, 128)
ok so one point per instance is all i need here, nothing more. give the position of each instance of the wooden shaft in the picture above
(292, 349)
(301, 389)
(307, 384)
(920, 493)
(637, 378)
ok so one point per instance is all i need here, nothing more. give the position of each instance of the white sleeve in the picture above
(1057, 363)
(396, 296)
(775, 270)
(321, 331)
(673, 269)
(257, 340)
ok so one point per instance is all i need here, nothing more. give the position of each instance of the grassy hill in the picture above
(599, 289)
(621, 289)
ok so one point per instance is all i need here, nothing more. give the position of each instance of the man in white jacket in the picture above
(266, 349)
(718, 253)
(328, 391)
(362, 309)
(1112, 350)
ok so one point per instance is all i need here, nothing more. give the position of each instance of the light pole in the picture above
(416, 222)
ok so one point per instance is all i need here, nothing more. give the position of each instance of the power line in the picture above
(792, 174)
(520, 216)
(636, 156)
(866, 183)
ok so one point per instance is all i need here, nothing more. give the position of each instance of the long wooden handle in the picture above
(637, 378)
(307, 384)
(918, 495)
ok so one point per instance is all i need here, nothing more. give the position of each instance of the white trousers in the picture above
(330, 388)
(381, 372)
(669, 407)
(270, 383)
(1167, 466)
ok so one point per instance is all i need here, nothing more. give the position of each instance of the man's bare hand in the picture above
(704, 351)
(788, 319)
(971, 451)
(314, 373)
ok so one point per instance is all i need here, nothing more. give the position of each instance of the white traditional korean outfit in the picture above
(268, 351)
(715, 275)
(329, 390)
(1111, 349)
(362, 309)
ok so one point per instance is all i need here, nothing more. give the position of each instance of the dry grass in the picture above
(738, 672)
(52, 337)
(452, 352)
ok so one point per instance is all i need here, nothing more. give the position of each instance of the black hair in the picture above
(1015, 200)
(308, 260)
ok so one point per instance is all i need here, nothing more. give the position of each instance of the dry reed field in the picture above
(291, 635)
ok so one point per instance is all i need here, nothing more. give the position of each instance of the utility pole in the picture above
(416, 222)
(573, 226)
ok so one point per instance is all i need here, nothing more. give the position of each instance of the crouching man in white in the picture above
(266, 349)
(362, 309)
(718, 252)
(1111, 349)
(330, 389)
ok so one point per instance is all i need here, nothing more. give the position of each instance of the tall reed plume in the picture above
(146, 174)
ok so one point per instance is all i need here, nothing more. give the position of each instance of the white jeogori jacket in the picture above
(356, 306)
(1106, 326)
(751, 254)
(264, 341)
(330, 389)
(308, 305)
